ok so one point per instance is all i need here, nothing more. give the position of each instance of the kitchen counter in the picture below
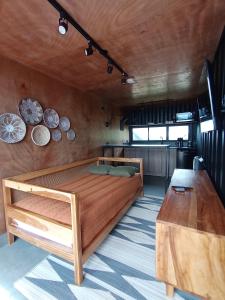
(182, 148)
(146, 145)
(155, 156)
(159, 159)
(134, 145)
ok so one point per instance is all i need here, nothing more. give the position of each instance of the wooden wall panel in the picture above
(85, 111)
(162, 43)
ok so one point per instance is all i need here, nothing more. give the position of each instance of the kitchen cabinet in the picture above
(185, 158)
(172, 160)
(154, 158)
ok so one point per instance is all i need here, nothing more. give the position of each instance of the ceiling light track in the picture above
(91, 42)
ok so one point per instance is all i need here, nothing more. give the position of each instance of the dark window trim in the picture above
(131, 136)
(190, 132)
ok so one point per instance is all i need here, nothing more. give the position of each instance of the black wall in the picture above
(213, 151)
(158, 112)
(212, 146)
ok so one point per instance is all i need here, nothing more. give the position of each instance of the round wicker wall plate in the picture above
(71, 135)
(12, 128)
(64, 123)
(51, 118)
(56, 135)
(31, 111)
(40, 135)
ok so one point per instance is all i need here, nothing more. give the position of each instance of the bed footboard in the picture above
(53, 227)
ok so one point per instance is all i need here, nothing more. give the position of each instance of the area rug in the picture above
(123, 267)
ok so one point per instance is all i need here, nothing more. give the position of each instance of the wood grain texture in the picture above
(59, 195)
(77, 244)
(56, 229)
(16, 82)
(190, 237)
(191, 261)
(162, 43)
(7, 195)
(47, 245)
(43, 172)
(111, 224)
(195, 208)
(52, 227)
(169, 290)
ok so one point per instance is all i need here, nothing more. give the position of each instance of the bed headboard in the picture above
(138, 161)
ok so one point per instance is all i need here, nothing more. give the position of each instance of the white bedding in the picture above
(43, 234)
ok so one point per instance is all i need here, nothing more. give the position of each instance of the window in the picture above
(176, 132)
(157, 133)
(207, 126)
(140, 134)
(164, 133)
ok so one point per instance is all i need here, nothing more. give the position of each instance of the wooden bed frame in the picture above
(76, 254)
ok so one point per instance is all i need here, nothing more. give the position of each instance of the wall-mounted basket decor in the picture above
(51, 118)
(71, 135)
(40, 135)
(31, 111)
(12, 128)
(64, 123)
(56, 135)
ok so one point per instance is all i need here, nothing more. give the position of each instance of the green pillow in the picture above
(125, 171)
(100, 170)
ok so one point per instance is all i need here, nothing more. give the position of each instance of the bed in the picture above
(74, 216)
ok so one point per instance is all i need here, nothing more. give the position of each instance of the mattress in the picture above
(101, 197)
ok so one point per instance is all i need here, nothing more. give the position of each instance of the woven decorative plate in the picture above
(64, 123)
(12, 128)
(31, 111)
(71, 135)
(51, 118)
(40, 135)
(56, 135)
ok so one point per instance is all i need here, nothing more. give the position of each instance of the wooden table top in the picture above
(198, 208)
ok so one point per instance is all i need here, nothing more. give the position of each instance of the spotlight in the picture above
(88, 51)
(131, 80)
(63, 25)
(124, 78)
(109, 67)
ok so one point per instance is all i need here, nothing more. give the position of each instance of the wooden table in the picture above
(190, 237)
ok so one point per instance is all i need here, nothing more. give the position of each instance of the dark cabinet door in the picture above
(185, 158)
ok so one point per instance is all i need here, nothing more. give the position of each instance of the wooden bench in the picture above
(190, 237)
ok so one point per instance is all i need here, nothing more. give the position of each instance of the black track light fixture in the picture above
(66, 18)
(63, 24)
(109, 67)
(88, 51)
(124, 78)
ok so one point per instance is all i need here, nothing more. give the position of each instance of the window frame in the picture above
(136, 141)
(131, 135)
(190, 132)
(172, 125)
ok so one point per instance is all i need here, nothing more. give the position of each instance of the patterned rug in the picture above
(123, 267)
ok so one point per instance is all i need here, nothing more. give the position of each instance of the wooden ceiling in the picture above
(162, 43)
